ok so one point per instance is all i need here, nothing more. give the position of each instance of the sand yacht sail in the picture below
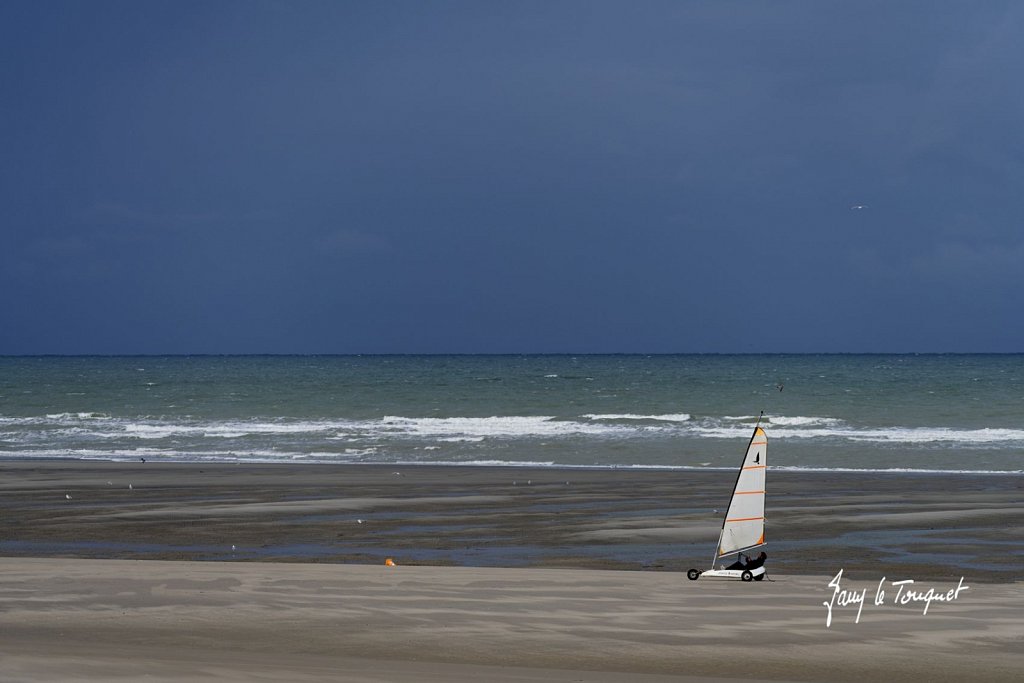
(743, 525)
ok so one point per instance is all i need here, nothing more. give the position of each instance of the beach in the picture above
(237, 572)
(171, 621)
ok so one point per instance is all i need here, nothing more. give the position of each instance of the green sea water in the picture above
(832, 412)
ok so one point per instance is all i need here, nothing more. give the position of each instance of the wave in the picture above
(356, 457)
(890, 470)
(630, 438)
(60, 430)
(800, 421)
(674, 417)
(939, 435)
(494, 426)
(225, 430)
(890, 435)
(78, 416)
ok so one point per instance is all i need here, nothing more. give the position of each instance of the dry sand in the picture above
(326, 608)
(102, 620)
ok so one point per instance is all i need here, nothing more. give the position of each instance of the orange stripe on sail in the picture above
(755, 467)
(744, 493)
(744, 519)
(759, 443)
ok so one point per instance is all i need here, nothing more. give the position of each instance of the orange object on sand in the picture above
(389, 562)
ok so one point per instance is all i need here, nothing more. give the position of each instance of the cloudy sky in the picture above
(363, 177)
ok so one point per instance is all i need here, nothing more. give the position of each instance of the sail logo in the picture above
(906, 593)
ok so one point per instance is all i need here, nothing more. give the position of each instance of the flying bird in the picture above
(858, 207)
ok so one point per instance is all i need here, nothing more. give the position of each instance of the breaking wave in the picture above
(592, 439)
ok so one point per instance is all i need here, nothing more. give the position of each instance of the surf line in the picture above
(905, 595)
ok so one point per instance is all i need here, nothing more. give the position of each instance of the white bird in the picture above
(858, 207)
(232, 548)
(129, 487)
(359, 521)
(68, 496)
(110, 483)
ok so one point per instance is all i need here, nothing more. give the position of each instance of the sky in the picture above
(496, 177)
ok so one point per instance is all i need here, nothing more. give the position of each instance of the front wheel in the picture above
(746, 575)
(693, 575)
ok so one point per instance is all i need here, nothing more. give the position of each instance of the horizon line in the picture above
(506, 354)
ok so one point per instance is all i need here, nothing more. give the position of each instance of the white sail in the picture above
(744, 520)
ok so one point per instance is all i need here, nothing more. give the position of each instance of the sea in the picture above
(884, 413)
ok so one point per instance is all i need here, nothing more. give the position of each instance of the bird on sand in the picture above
(68, 496)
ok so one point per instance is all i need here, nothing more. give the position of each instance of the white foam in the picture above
(226, 430)
(834, 429)
(78, 416)
(360, 456)
(937, 435)
(485, 463)
(494, 426)
(889, 470)
(799, 421)
(671, 417)
(93, 426)
(96, 435)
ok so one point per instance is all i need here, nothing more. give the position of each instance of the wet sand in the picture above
(924, 526)
(495, 575)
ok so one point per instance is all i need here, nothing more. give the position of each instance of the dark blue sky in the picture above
(360, 177)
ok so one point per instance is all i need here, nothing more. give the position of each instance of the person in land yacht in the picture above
(744, 562)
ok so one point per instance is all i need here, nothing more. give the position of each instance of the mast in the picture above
(755, 477)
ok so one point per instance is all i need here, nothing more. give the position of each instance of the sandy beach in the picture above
(259, 572)
(171, 621)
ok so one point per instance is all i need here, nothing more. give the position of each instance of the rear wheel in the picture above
(759, 577)
(746, 575)
(692, 575)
